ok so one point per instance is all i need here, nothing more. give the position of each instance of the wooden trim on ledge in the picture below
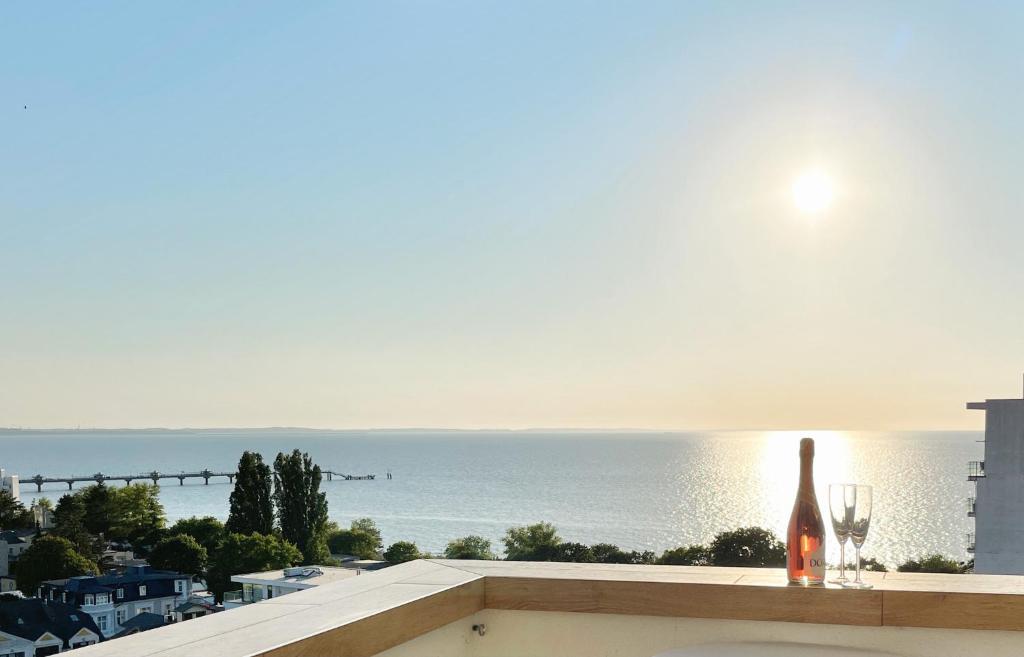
(677, 599)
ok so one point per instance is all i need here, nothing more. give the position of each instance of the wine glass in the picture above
(859, 528)
(841, 500)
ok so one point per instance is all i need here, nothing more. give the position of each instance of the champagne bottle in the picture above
(805, 540)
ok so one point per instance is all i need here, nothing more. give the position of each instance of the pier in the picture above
(155, 477)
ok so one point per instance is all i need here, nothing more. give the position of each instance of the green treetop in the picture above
(50, 557)
(180, 553)
(536, 542)
(252, 507)
(13, 514)
(470, 547)
(254, 553)
(301, 507)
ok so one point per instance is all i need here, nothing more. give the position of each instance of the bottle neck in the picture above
(806, 490)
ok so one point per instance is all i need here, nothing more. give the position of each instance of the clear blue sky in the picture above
(477, 214)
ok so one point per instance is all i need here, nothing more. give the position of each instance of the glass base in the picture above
(857, 585)
(839, 580)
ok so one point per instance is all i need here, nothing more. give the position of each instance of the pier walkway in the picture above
(155, 477)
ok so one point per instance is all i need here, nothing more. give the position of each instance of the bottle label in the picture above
(815, 560)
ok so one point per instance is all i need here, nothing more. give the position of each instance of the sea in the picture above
(639, 490)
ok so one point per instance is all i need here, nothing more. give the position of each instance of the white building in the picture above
(9, 483)
(115, 598)
(998, 504)
(275, 583)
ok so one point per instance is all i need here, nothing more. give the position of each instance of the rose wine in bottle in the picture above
(805, 540)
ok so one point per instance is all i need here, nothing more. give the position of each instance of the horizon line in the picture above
(268, 429)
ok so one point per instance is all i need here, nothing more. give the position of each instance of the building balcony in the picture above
(972, 507)
(497, 609)
(975, 470)
(234, 599)
(970, 542)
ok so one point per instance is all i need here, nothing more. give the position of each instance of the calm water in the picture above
(642, 491)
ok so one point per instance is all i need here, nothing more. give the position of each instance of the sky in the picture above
(509, 215)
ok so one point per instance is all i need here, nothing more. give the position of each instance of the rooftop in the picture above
(326, 575)
(437, 608)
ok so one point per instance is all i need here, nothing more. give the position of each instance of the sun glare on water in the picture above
(813, 192)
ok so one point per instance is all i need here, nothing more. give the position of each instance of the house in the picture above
(141, 623)
(196, 606)
(33, 627)
(998, 504)
(114, 598)
(12, 543)
(275, 583)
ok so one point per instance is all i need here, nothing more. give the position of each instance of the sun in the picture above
(813, 192)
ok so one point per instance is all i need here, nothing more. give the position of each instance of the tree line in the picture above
(278, 517)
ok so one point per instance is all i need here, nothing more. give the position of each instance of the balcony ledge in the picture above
(369, 614)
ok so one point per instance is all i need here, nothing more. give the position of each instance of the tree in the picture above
(136, 515)
(691, 555)
(934, 563)
(608, 553)
(362, 539)
(752, 547)
(537, 542)
(207, 531)
(573, 552)
(401, 552)
(180, 553)
(469, 547)
(251, 553)
(50, 557)
(98, 501)
(252, 505)
(69, 523)
(13, 514)
(301, 507)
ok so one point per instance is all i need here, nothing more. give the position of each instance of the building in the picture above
(195, 607)
(32, 627)
(114, 598)
(9, 483)
(275, 583)
(998, 503)
(12, 543)
(43, 515)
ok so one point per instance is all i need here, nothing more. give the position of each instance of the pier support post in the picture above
(70, 484)
(181, 481)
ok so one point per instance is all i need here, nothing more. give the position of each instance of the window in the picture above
(179, 586)
(89, 599)
(73, 617)
(142, 590)
(101, 622)
(120, 594)
(119, 616)
(144, 609)
(102, 598)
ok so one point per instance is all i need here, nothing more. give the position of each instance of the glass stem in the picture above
(857, 550)
(842, 560)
